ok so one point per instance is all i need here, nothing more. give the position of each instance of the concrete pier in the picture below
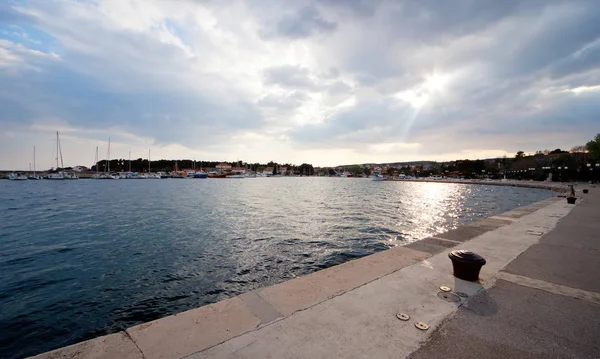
(534, 265)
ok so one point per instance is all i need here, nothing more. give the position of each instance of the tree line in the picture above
(141, 165)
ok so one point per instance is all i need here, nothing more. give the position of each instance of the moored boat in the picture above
(57, 176)
(376, 176)
(217, 175)
(17, 176)
(69, 176)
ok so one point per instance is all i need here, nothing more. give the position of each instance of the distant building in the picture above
(80, 169)
(224, 167)
(268, 171)
(454, 174)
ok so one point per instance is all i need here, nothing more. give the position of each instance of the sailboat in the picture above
(61, 175)
(150, 174)
(96, 175)
(34, 176)
(108, 174)
(66, 175)
(58, 175)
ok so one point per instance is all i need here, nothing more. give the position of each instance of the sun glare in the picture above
(435, 83)
(420, 95)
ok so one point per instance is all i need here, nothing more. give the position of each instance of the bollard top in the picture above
(465, 256)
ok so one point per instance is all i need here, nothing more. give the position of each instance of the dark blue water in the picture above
(84, 258)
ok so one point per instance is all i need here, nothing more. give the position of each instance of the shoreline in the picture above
(199, 329)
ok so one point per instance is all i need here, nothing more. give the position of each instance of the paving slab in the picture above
(303, 292)
(511, 321)
(426, 246)
(572, 267)
(492, 223)
(117, 345)
(260, 307)
(185, 333)
(570, 254)
(464, 233)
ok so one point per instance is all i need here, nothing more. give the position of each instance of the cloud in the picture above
(303, 23)
(310, 80)
(285, 102)
(288, 76)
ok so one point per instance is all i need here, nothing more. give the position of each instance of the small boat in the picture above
(57, 176)
(69, 176)
(200, 175)
(376, 177)
(17, 176)
(235, 176)
(217, 175)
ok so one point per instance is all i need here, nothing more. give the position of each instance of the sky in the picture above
(318, 81)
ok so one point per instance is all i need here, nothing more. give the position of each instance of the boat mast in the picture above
(148, 161)
(108, 155)
(34, 160)
(96, 160)
(56, 151)
(62, 165)
(129, 161)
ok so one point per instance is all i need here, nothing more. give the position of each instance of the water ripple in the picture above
(85, 258)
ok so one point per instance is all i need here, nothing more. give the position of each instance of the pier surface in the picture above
(538, 296)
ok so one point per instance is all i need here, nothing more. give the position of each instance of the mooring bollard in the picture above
(466, 264)
(585, 190)
(571, 200)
